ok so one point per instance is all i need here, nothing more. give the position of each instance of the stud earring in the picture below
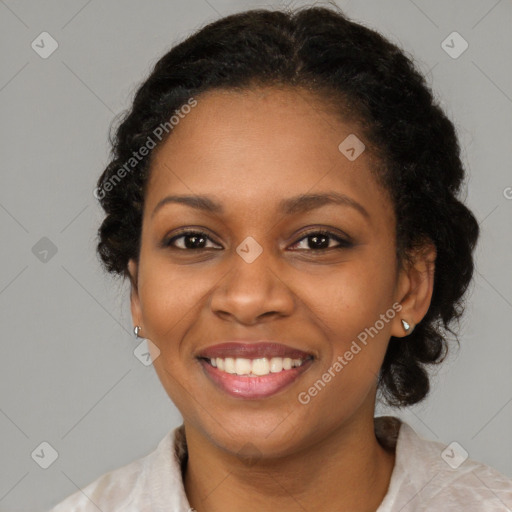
(406, 326)
(136, 331)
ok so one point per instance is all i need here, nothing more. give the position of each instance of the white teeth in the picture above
(260, 366)
(255, 367)
(242, 366)
(276, 364)
(229, 365)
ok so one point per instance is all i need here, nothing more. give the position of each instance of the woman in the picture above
(282, 196)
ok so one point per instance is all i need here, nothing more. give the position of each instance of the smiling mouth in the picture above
(258, 367)
(253, 370)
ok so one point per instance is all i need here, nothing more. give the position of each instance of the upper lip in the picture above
(252, 350)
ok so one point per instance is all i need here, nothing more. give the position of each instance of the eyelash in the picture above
(343, 243)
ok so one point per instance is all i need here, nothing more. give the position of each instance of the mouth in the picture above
(255, 370)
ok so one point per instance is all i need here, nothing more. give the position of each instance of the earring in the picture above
(406, 326)
(136, 331)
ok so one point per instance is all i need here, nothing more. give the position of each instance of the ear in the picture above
(414, 288)
(134, 293)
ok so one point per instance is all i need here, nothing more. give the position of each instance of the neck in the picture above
(348, 468)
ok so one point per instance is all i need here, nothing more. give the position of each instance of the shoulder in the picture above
(138, 486)
(111, 491)
(429, 475)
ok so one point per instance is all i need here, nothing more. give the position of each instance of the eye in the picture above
(193, 240)
(317, 240)
(320, 240)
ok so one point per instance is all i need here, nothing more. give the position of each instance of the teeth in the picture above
(229, 365)
(261, 366)
(242, 366)
(276, 364)
(255, 367)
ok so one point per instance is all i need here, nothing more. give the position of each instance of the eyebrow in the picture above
(289, 206)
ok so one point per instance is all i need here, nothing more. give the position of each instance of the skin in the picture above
(249, 150)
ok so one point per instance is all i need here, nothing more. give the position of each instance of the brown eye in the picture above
(321, 240)
(193, 240)
(315, 241)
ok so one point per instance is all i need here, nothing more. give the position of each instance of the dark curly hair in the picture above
(352, 69)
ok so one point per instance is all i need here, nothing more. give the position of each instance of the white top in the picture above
(427, 476)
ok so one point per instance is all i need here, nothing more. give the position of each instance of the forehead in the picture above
(256, 146)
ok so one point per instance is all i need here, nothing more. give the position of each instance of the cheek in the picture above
(352, 297)
(170, 298)
(354, 308)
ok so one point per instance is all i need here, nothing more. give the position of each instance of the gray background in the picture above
(68, 373)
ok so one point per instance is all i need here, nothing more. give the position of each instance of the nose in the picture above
(252, 292)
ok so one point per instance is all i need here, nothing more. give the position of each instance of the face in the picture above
(309, 278)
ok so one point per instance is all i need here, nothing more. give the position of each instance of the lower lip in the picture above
(253, 387)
